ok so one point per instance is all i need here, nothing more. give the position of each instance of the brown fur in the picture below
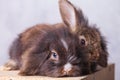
(95, 43)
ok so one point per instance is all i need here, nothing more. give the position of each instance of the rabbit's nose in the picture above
(67, 69)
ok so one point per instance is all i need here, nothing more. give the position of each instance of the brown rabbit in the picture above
(89, 36)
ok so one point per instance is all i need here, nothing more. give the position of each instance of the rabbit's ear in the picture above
(68, 13)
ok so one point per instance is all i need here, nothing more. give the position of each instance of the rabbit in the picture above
(45, 50)
(89, 35)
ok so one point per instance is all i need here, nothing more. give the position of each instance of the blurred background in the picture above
(18, 15)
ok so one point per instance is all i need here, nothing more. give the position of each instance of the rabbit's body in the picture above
(32, 52)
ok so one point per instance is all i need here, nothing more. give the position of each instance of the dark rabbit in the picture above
(46, 50)
(89, 36)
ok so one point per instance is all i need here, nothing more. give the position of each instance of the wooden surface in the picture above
(104, 74)
(107, 73)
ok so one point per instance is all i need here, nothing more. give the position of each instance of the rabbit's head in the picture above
(89, 36)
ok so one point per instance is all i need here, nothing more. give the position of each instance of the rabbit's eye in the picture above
(54, 55)
(82, 41)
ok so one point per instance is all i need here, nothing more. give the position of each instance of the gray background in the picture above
(18, 15)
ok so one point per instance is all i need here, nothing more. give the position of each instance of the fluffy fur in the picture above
(46, 49)
(89, 36)
(31, 52)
